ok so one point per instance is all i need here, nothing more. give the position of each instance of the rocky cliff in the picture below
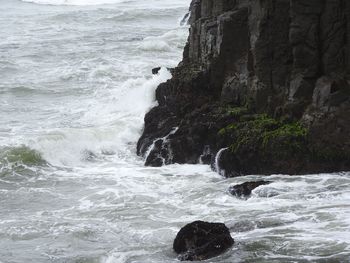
(265, 81)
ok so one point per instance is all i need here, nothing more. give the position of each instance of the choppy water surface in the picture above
(75, 84)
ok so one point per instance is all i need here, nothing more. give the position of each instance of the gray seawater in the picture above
(75, 84)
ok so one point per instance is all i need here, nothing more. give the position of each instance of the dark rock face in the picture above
(201, 240)
(245, 190)
(269, 80)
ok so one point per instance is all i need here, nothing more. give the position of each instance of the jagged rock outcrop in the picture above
(267, 79)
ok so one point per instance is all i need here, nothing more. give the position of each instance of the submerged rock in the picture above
(202, 240)
(245, 190)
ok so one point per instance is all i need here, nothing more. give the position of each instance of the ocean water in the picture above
(75, 83)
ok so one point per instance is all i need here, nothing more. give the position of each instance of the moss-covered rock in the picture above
(258, 143)
(262, 130)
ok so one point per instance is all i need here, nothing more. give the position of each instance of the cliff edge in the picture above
(263, 87)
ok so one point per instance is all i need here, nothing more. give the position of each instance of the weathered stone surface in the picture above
(245, 190)
(202, 240)
(286, 59)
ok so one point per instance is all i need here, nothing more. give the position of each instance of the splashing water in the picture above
(217, 162)
(164, 145)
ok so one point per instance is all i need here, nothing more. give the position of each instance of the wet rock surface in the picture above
(269, 80)
(245, 190)
(156, 70)
(202, 240)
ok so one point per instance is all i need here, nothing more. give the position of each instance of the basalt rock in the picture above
(202, 240)
(269, 80)
(245, 190)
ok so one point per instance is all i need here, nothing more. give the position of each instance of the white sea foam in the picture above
(118, 117)
(74, 2)
(167, 42)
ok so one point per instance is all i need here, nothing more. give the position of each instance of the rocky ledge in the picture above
(263, 87)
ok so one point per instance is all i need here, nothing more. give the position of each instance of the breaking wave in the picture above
(21, 155)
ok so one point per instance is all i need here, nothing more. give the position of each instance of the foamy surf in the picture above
(74, 2)
(118, 117)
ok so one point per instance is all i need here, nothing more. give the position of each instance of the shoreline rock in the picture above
(269, 80)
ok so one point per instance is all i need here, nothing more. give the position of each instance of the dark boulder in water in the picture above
(202, 240)
(156, 70)
(245, 190)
